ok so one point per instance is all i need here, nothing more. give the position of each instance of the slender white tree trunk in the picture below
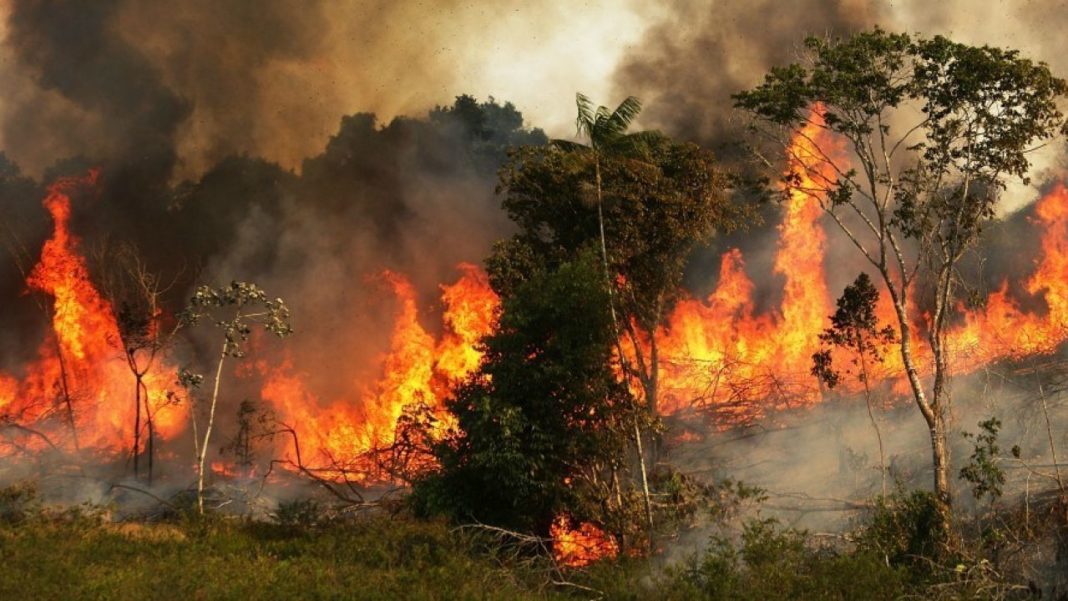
(207, 432)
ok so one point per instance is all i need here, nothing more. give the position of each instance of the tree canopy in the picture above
(543, 425)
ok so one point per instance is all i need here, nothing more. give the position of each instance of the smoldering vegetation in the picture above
(821, 463)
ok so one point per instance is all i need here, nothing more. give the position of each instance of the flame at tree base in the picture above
(581, 546)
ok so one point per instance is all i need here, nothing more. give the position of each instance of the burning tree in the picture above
(936, 129)
(234, 308)
(135, 294)
(543, 428)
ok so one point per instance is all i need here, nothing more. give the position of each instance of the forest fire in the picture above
(718, 352)
(77, 394)
(418, 373)
(764, 307)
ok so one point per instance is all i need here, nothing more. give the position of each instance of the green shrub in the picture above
(905, 529)
(17, 502)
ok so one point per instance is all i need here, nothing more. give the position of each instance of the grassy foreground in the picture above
(74, 554)
(82, 558)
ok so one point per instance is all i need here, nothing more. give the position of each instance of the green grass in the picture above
(81, 558)
(71, 555)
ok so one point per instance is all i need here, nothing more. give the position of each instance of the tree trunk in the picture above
(940, 462)
(616, 333)
(871, 413)
(207, 433)
(645, 481)
(151, 447)
(137, 425)
(931, 411)
(66, 396)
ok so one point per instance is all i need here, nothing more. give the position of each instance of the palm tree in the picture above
(607, 138)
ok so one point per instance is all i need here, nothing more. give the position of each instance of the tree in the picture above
(606, 134)
(643, 201)
(855, 328)
(934, 130)
(235, 308)
(136, 294)
(542, 428)
(252, 424)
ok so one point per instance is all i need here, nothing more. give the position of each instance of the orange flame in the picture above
(81, 362)
(751, 356)
(417, 371)
(579, 547)
(1001, 329)
(717, 352)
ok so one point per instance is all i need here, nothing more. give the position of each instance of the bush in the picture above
(905, 530)
(17, 502)
(778, 563)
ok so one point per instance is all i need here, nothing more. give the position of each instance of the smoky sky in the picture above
(293, 143)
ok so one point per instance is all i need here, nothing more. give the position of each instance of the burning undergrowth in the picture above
(723, 359)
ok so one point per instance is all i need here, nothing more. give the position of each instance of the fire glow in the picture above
(77, 393)
(718, 352)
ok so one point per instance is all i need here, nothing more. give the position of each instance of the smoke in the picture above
(152, 94)
(273, 78)
(699, 54)
(820, 466)
(72, 53)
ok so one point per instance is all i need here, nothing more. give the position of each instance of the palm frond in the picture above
(569, 145)
(598, 135)
(621, 118)
(586, 116)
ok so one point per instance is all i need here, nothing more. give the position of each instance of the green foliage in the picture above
(771, 562)
(298, 514)
(855, 327)
(925, 134)
(606, 130)
(655, 210)
(981, 111)
(215, 559)
(383, 556)
(906, 530)
(244, 304)
(983, 471)
(543, 423)
(685, 502)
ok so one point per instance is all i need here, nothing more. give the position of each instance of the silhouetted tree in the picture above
(855, 328)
